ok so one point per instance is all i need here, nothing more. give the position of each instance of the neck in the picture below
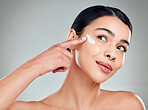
(78, 89)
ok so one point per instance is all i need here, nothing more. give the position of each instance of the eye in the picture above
(122, 48)
(102, 38)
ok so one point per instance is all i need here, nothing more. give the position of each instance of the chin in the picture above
(99, 80)
(98, 77)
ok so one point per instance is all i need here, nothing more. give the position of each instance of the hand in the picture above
(56, 58)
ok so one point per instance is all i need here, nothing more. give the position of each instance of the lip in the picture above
(107, 68)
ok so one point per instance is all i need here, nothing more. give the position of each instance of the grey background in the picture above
(28, 27)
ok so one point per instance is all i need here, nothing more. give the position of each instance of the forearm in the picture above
(50, 60)
(13, 85)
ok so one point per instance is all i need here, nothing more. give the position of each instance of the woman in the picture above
(98, 40)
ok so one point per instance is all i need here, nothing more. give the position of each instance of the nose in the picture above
(110, 55)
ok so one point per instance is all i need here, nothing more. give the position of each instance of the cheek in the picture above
(86, 55)
(90, 47)
(120, 60)
(89, 50)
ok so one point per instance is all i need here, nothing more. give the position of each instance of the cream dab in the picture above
(90, 39)
(76, 57)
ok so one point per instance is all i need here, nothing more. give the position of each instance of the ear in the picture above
(72, 36)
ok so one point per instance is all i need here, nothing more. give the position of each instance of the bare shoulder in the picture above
(32, 105)
(131, 101)
(126, 100)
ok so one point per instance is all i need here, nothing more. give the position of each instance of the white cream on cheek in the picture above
(90, 39)
(76, 56)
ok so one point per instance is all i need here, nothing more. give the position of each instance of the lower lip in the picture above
(104, 69)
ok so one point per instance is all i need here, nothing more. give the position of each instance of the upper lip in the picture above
(105, 64)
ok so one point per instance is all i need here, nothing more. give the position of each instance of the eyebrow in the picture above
(112, 34)
(125, 41)
(107, 30)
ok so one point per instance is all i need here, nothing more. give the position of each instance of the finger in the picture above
(61, 69)
(67, 54)
(65, 59)
(63, 66)
(63, 56)
(70, 43)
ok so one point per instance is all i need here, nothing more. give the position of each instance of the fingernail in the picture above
(83, 38)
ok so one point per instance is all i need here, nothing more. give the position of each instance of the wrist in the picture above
(31, 68)
(36, 67)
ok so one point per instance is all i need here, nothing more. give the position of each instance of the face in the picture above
(102, 59)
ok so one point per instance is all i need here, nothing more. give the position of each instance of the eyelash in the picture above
(100, 37)
(123, 47)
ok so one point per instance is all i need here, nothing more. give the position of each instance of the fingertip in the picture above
(84, 38)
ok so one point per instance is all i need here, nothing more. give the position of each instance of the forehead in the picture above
(111, 23)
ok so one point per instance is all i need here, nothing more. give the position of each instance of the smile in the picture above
(107, 68)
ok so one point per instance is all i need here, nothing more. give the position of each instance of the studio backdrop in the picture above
(28, 27)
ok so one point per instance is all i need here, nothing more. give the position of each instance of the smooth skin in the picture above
(81, 88)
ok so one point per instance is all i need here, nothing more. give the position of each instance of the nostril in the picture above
(113, 58)
(108, 55)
